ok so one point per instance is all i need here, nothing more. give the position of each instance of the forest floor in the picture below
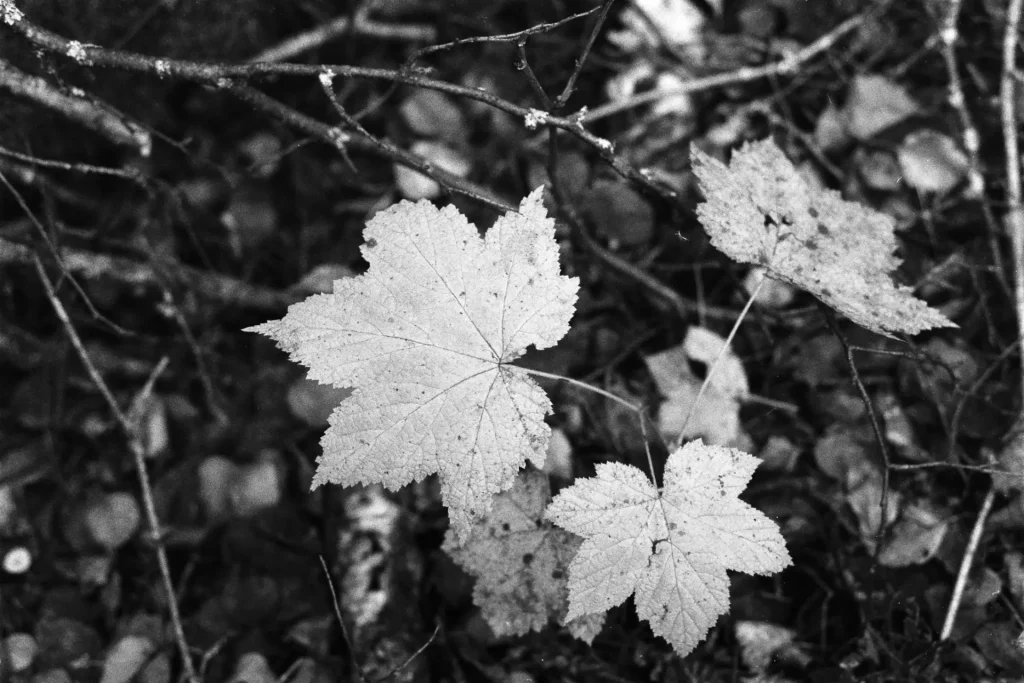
(173, 172)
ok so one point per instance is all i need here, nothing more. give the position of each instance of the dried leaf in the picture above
(760, 210)
(521, 562)
(932, 162)
(875, 103)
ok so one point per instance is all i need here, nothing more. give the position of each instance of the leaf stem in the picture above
(714, 366)
(607, 394)
(582, 385)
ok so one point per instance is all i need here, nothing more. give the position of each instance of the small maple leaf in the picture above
(760, 210)
(521, 562)
(670, 547)
(425, 337)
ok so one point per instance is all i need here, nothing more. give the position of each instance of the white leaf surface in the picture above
(760, 210)
(426, 337)
(670, 547)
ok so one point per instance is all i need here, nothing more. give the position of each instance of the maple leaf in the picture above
(670, 547)
(425, 337)
(760, 210)
(521, 563)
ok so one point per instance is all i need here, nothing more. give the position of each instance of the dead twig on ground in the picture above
(135, 446)
(221, 288)
(965, 565)
(949, 34)
(1014, 219)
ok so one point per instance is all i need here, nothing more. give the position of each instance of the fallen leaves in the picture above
(521, 563)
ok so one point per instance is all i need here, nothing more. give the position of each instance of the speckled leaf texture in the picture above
(760, 210)
(670, 547)
(521, 563)
(425, 338)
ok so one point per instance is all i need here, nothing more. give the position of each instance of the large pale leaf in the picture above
(425, 337)
(670, 547)
(760, 210)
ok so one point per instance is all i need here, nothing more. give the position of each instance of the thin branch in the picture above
(337, 138)
(336, 28)
(965, 564)
(221, 75)
(504, 38)
(785, 66)
(138, 456)
(125, 173)
(414, 655)
(876, 424)
(341, 621)
(1014, 213)
(221, 288)
(75, 106)
(523, 64)
(949, 34)
(570, 85)
(27, 175)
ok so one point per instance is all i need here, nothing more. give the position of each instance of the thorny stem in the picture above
(718, 360)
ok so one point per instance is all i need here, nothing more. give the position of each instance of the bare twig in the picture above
(876, 425)
(127, 174)
(504, 38)
(341, 621)
(222, 75)
(442, 176)
(523, 64)
(570, 85)
(408, 660)
(135, 446)
(222, 288)
(1014, 219)
(338, 27)
(684, 308)
(783, 67)
(86, 111)
(949, 34)
(27, 175)
(965, 564)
